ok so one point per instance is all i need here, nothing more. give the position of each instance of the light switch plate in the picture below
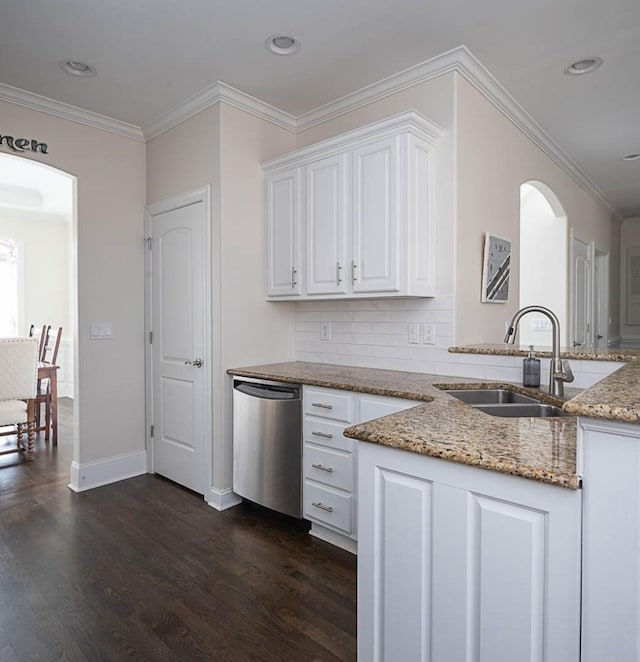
(101, 331)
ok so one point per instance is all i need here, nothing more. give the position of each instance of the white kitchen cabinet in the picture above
(458, 563)
(326, 226)
(366, 216)
(329, 459)
(284, 234)
(376, 217)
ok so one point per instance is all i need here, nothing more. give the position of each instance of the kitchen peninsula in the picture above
(440, 537)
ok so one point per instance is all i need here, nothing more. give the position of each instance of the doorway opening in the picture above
(543, 262)
(38, 231)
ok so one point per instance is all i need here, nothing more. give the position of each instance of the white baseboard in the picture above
(223, 499)
(88, 475)
(334, 538)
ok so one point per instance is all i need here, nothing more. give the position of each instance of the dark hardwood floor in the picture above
(145, 570)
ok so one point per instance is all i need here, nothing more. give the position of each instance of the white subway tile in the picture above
(504, 374)
(312, 357)
(337, 316)
(461, 370)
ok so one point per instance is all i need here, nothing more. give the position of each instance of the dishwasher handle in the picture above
(268, 392)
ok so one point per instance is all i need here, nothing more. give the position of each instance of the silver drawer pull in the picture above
(329, 470)
(319, 504)
(321, 405)
(326, 435)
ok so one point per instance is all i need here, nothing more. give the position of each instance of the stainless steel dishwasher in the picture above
(267, 443)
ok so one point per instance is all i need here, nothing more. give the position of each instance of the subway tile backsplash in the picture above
(374, 333)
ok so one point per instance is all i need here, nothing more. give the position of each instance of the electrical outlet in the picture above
(429, 334)
(412, 330)
(325, 330)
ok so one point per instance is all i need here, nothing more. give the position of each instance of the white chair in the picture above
(18, 384)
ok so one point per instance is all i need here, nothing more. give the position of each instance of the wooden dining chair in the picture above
(42, 337)
(48, 354)
(18, 384)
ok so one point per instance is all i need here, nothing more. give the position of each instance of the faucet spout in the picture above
(560, 370)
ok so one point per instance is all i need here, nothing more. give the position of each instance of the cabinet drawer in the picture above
(328, 467)
(327, 434)
(328, 404)
(328, 506)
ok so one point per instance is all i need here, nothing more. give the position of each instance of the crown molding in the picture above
(211, 95)
(462, 61)
(420, 73)
(69, 112)
(479, 76)
(459, 60)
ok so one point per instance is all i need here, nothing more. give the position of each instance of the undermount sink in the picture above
(503, 402)
(537, 410)
(490, 396)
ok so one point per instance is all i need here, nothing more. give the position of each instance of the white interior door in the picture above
(178, 357)
(581, 287)
(600, 298)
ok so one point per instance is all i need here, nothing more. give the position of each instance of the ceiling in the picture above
(152, 55)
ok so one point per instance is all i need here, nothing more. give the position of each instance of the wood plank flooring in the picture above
(145, 570)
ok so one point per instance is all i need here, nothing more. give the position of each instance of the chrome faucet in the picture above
(559, 370)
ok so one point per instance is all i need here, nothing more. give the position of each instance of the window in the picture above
(10, 257)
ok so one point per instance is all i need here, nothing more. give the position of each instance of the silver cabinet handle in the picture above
(294, 272)
(354, 266)
(319, 504)
(329, 470)
(321, 405)
(197, 363)
(338, 274)
(326, 435)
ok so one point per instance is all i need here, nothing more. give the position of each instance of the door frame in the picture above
(199, 195)
(600, 254)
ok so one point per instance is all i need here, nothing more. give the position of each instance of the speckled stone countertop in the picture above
(542, 449)
(615, 398)
(577, 353)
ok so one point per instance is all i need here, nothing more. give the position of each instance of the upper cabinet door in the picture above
(283, 234)
(326, 215)
(376, 216)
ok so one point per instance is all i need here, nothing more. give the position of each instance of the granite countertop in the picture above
(622, 354)
(615, 398)
(542, 449)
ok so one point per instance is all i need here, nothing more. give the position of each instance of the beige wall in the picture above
(110, 173)
(47, 245)
(223, 147)
(630, 237)
(494, 158)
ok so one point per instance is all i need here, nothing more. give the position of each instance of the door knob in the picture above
(197, 363)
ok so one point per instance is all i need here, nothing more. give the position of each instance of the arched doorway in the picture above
(38, 259)
(543, 262)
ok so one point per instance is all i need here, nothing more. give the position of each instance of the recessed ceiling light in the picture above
(585, 66)
(282, 44)
(76, 68)
(631, 157)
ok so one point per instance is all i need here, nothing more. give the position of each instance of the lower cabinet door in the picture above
(460, 563)
(328, 506)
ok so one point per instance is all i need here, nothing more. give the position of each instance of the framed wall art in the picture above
(496, 268)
